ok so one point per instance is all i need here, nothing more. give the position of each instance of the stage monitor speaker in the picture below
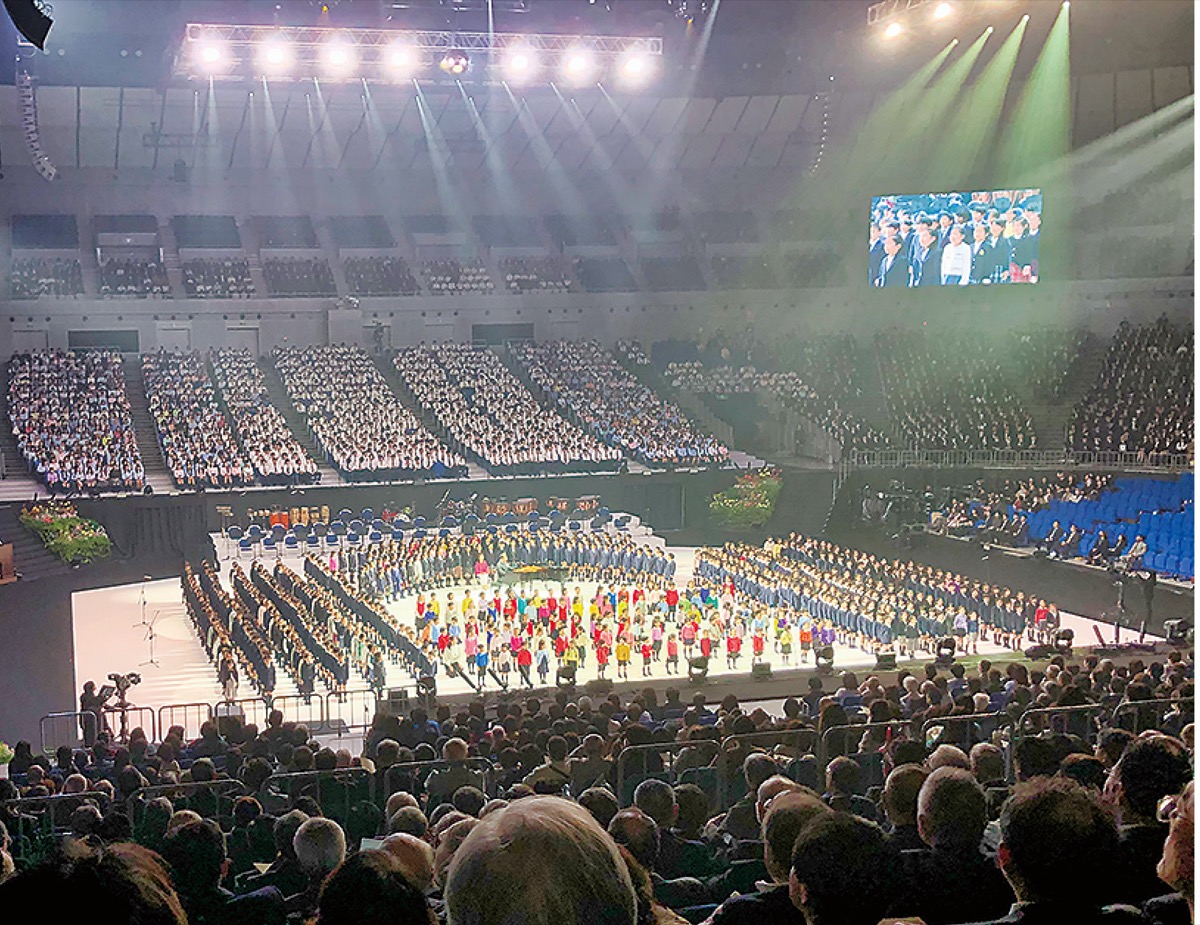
(598, 686)
(698, 669)
(761, 671)
(824, 660)
(397, 700)
(885, 661)
(564, 677)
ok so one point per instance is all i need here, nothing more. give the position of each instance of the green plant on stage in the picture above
(750, 501)
(72, 538)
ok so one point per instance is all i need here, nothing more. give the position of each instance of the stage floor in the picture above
(112, 634)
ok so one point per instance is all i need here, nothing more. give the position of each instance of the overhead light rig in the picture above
(215, 51)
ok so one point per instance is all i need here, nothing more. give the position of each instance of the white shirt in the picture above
(956, 261)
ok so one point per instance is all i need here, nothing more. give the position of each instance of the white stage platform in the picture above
(110, 637)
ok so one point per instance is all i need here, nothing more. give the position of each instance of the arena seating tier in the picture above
(380, 275)
(218, 278)
(35, 277)
(299, 276)
(130, 278)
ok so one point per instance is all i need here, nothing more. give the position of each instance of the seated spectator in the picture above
(37, 277)
(900, 793)
(380, 275)
(133, 279)
(218, 278)
(1055, 837)
(843, 779)
(951, 880)
(1142, 400)
(261, 429)
(298, 276)
(197, 442)
(320, 847)
(536, 274)
(843, 871)
(449, 276)
(607, 400)
(499, 874)
(1177, 867)
(72, 422)
(372, 888)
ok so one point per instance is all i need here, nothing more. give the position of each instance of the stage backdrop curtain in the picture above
(153, 528)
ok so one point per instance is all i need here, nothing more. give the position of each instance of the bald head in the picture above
(414, 856)
(769, 789)
(786, 818)
(900, 792)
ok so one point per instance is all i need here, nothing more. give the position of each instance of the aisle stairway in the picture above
(1050, 420)
(15, 484)
(277, 393)
(158, 476)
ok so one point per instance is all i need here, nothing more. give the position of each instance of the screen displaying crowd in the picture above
(955, 239)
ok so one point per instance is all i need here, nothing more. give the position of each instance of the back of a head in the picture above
(398, 800)
(1055, 835)
(1150, 769)
(757, 768)
(415, 857)
(285, 829)
(370, 888)
(1034, 756)
(843, 775)
(601, 803)
(469, 800)
(951, 810)
(500, 875)
(320, 846)
(900, 792)
(842, 871)
(948, 756)
(196, 853)
(637, 832)
(119, 884)
(657, 800)
(786, 818)
(987, 762)
(409, 820)
(454, 750)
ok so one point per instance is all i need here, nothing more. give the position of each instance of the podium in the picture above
(8, 572)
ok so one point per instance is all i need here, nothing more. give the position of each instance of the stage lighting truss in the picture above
(229, 52)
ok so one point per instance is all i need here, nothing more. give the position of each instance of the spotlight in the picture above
(579, 65)
(339, 56)
(455, 62)
(893, 30)
(400, 59)
(989, 30)
(636, 69)
(211, 55)
(276, 55)
(942, 10)
(520, 64)
(1025, 18)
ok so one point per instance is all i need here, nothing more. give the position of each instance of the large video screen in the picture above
(956, 239)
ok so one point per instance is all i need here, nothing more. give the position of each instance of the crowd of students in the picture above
(299, 276)
(380, 275)
(218, 278)
(487, 412)
(548, 273)
(1143, 399)
(71, 420)
(261, 429)
(198, 445)
(129, 278)
(35, 277)
(450, 276)
(944, 393)
(356, 419)
(591, 386)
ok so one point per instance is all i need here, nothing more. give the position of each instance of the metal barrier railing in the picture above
(1083, 720)
(795, 742)
(1139, 715)
(34, 823)
(413, 776)
(351, 706)
(632, 756)
(208, 794)
(191, 716)
(298, 709)
(963, 731)
(250, 709)
(844, 740)
(70, 727)
(1037, 459)
(336, 791)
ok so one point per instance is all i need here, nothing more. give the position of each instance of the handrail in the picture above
(270, 796)
(420, 771)
(1056, 459)
(38, 817)
(1057, 719)
(1137, 708)
(221, 787)
(203, 712)
(659, 748)
(903, 726)
(970, 721)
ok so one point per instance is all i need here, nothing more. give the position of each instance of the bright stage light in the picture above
(339, 56)
(579, 65)
(455, 62)
(942, 10)
(276, 56)
(636, 69)
(400, 59)
(893, 30)
(211, 54)
(520, 64)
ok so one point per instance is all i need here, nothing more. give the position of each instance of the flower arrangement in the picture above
(750, 502)
(6, 753)
(70, 537)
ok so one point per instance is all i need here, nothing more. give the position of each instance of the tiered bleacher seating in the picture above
(449, 276)
(35, 277)
(133, 279)
(536, 274)
(299, 276)
(604, 274)
(380, 275)
(672, 274)
(218, 278)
